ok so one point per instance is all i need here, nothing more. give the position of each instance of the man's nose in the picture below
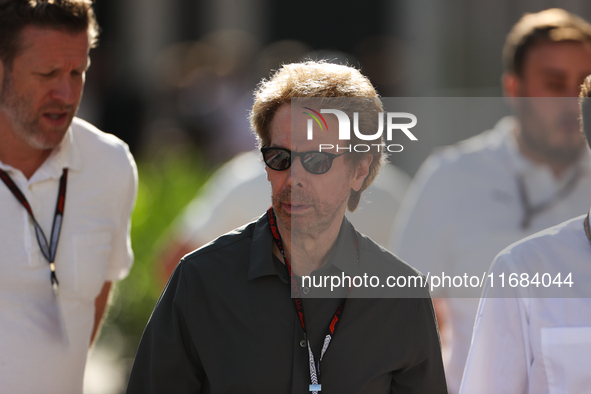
(64, 90)
(296, 173)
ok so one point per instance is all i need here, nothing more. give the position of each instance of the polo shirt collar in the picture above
(261, 263)
(261, 255)
(63, 156)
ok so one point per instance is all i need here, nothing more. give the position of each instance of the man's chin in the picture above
(566, 157)
(283, 217)
(48, 139)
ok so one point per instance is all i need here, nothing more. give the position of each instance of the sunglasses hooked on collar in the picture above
(280, 159)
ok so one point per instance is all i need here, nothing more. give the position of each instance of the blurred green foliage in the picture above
(166, 185)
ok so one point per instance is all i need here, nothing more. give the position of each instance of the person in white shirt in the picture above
(530, 337)
(66, 195)
(529, 172)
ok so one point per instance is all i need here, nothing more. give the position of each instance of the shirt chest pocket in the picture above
(567, 357)
(91, 258)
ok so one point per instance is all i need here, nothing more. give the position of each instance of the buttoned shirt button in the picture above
(306, 290)
(303, 343)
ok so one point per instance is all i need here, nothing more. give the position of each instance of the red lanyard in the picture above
(48, 249)
(299, 307)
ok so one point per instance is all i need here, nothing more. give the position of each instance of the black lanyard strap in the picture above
(47, 249)
(299, 307)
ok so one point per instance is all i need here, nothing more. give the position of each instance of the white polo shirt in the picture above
(44, 339)
(239, 193)
(465, 206)
(535, 345)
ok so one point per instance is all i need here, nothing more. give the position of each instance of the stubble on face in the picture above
(558, 140)
(320, 215)
(25, 120)
(319, 219)
(306, 204)
(546, 92)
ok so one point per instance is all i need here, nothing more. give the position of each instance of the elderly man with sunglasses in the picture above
(226, 322)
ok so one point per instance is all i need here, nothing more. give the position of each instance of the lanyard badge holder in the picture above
(314, 364)
(48, 247)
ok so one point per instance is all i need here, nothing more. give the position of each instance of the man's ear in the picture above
(361, 171)
(511, 83)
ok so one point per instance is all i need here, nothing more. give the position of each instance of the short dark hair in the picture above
(552, 25)
(585, 103)
(70, 15)
(318, 79)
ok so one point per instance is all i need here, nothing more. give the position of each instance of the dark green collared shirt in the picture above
(226, 324)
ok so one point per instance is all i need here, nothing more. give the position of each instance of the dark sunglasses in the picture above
(280, 159)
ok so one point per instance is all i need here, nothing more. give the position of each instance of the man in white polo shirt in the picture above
(530, 172)
(66, 196)
(535, 337)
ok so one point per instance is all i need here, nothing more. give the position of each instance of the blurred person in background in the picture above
(226, 322)
(538, 341)
(529, 172)
(204, 95)
(66, 197)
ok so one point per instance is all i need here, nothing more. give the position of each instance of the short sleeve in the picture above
(121, 257)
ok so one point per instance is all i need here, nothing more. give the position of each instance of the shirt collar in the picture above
(261, 255)
(261, 263)
(62, 156)
(65, 155)
(509, 127)
(344, 256)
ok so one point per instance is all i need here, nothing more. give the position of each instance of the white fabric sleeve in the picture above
(217, 212)
(126, 192)
(500, 354)
(424, 224)
(236, 194)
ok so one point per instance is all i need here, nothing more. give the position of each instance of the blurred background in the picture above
(174, 79)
